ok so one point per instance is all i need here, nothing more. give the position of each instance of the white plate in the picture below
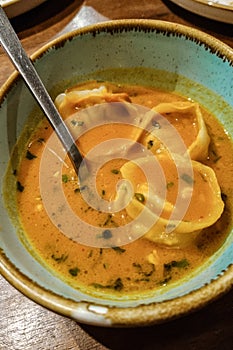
(220, 10)
(17, 7)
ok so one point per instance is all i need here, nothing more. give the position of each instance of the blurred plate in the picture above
(220, 10)
(17, 7)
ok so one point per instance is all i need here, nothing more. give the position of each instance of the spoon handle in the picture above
(11, 44)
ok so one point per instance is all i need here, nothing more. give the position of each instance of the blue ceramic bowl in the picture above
(183, 58)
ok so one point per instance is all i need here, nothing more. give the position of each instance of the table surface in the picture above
(25, 325)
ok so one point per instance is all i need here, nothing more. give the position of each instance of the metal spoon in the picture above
(15, 51)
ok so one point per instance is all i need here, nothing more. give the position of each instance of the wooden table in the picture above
(25, 325)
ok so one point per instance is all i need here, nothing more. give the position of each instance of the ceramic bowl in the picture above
(184, 53)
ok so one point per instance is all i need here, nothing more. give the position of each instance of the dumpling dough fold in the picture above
(204, 207)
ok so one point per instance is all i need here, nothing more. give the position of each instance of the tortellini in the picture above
(202, 192)
(74, 100)
(186, 118)
(167, 125)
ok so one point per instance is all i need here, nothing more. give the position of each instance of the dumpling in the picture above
(186, 118)
(88, 114)
(192, 201)
(70, 102)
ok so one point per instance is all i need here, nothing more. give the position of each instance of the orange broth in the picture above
(124, 269)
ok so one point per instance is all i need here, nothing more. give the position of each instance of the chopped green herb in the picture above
(179, 264)
(187, 178)
(115, 171)
(77, 122)
(65, 178)
(144, 272)
(19, 186)
(116, 285)
(170, 185)
(118, 250)
(30, 155)
(105, 265)
(140, 197)
(107, 234)
(150, 144)
(107, 221)
(137, 265)
(59, 259)
(74, 272)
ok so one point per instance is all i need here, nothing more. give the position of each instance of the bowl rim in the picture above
(146, 24)
(98, 315)
(155, 312)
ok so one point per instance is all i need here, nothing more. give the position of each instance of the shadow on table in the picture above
(200, 21)
(209, 328)
(50, 12)
(45, 15)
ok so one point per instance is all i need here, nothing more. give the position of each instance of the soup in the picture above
(157, 258)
